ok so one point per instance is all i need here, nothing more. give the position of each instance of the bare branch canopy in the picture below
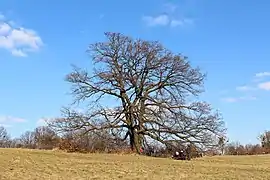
(154, 90)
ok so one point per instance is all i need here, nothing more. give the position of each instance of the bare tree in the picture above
(91, 142)
(16, 143)
(154, 90)
(4, 137)
(265, 139)
(221, 143)
(45, 137)
(27, 140)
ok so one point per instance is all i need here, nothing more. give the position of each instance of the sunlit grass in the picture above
(34, 164)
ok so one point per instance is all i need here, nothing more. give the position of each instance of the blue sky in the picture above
(228, 39)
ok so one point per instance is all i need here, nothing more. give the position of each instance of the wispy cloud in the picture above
(165, 20)
(237, 99)
(5, 125)
(18, 52)
(181, 22)
(19, 41)
(262, 74)
(162, 20)
(8, 121)
(44, 121)
(264, 86)
(169, 18)
(41, 122)
(255, 87)
(248, 98)
(245, 88)
(229, 99)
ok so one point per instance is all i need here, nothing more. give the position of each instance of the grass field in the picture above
(33, 164)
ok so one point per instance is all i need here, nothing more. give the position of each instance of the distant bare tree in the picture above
(45, 138)
(221, 143)
(28, 140)
(4, 137)
(16, 143)
(265, 139)
(235, 148)
(241, 150)
(154, 92)
(90, 142)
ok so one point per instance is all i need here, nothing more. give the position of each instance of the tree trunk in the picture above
(135, 141)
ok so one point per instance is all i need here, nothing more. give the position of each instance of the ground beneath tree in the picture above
(32, 164)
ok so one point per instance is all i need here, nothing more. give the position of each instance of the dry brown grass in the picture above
(33, 164)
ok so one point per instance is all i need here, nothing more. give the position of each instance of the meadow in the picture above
(38, 164)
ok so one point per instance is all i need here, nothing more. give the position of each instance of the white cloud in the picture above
(161, 20)
(4, 29)
(168, 18)
(10, 119)
(248, 98)
(175, 23)
(262, 74)
(19, 41)
(165, 20)
(182, 22)
(230, 99)
(5, 125)
(264, 86)
(237, 99)
(41, 122)
(245, 88)
(18, 52)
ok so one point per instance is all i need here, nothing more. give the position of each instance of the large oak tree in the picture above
(155, 92)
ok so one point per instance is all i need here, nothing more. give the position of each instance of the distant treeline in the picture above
(45, 138)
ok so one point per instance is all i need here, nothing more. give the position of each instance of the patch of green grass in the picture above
(34, 164)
